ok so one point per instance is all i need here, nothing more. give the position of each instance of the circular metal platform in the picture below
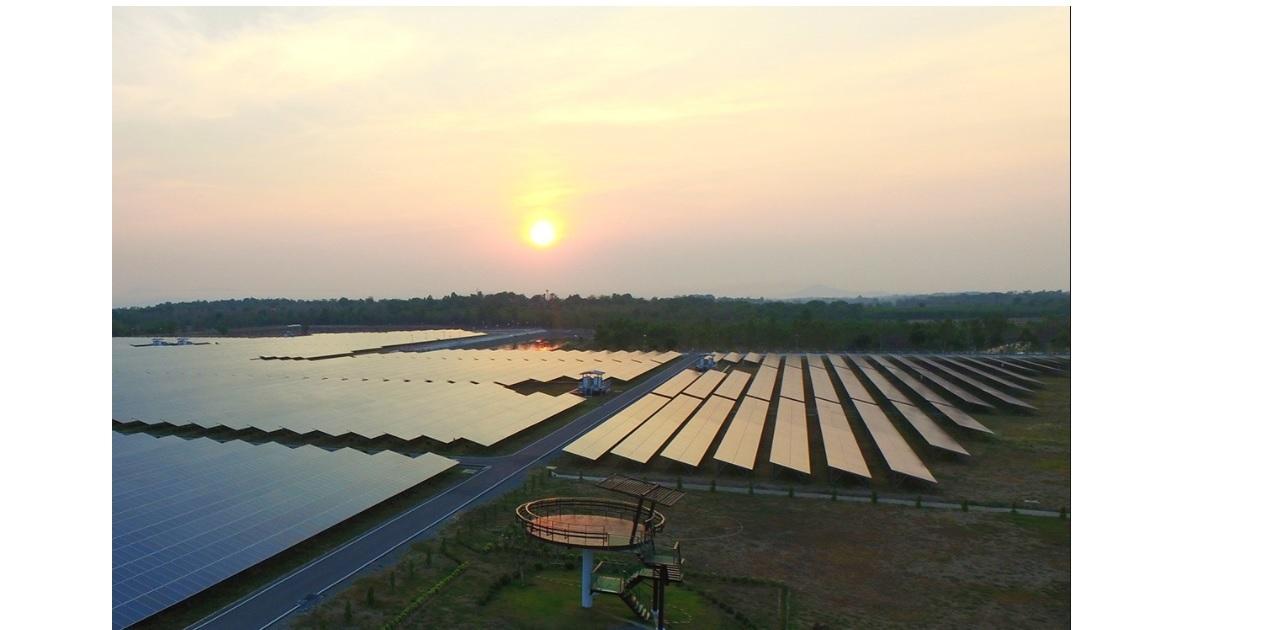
(589, 523)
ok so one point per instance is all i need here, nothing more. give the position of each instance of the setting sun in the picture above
(542, 233)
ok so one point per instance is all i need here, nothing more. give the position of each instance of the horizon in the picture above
(746, 152)
(867, 296)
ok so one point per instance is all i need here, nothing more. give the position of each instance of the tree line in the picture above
(965, 321)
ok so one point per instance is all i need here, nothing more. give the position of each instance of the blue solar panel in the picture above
(187, 514)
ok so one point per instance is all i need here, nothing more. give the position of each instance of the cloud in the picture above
(182, 72)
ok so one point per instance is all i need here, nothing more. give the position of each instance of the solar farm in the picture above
(776, 413)
(227, 452)
(230, 452)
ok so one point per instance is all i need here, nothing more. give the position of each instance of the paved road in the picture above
(279, 599)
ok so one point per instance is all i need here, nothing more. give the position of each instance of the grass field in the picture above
(775, 561)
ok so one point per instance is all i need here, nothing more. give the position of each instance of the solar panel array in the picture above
(442, 395)
(646, 440)
(337, 344)
(141, 366)
(444, 412)
(597, 442)
(187, 514)
(316, 345)
(692, 443)
(917, 390)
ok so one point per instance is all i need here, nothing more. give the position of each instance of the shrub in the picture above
(370, 596)
(348, 612)
(569, 565)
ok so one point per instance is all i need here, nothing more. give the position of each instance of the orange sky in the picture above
(767, 151)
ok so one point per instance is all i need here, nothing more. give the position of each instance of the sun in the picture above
(542, 233)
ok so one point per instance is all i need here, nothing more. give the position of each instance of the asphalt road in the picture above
(277, 600)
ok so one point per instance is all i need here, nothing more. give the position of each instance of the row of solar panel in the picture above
(187, 514)
(640, 432)
(507, 367)
(325, 344)
(483, 414)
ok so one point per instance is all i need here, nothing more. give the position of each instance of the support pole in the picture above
(656, 601)
(586, 577)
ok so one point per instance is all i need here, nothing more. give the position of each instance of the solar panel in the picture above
(848, 380)
(959, 393)
(645, 441)
(153, 369)
(732, 357)
(480, 413)
(740, 444)
(332, 344)
(974, 383)
(1002, 370)
(693, 441)
(792, 382)
(1037, 365)
(677, 383)
(822, 387)
(733, 384)
(602, 438)
(938, 402)
(790, 435)
(704, 384)
(753, 357)
(923, 424)
(1009, 364)
(897, 453)
(764, 382)
(842, 452)
(983, 375)
(187, 514)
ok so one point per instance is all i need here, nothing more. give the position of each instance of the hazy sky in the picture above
(399, 152)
